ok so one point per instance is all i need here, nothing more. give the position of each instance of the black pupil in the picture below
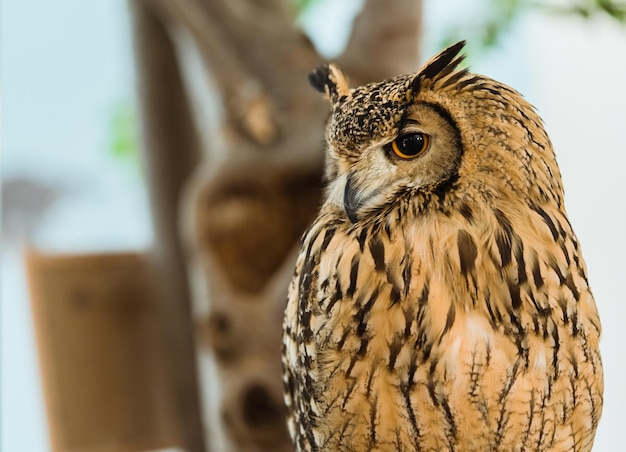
(411, 144)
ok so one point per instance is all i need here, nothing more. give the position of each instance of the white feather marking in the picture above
(336, 191)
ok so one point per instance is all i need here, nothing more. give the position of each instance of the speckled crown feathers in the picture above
(364, 113)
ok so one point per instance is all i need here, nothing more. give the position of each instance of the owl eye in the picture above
(409, 145)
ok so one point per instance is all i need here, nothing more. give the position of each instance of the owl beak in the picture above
(351, 201)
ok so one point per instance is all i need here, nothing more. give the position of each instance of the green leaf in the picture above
(302, 5)
(123, 132)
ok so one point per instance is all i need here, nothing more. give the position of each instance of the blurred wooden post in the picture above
(102, 364)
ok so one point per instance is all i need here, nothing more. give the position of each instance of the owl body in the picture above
(440, 300)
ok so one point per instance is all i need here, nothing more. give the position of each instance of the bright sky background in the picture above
(66, 64)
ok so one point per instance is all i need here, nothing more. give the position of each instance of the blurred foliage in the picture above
(301, 5)
(590, 8)
(123, 132)
(486, 32)
(500, 15)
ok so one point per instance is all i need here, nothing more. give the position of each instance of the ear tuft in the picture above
(328, 79)
(438, 66)
(319, 78)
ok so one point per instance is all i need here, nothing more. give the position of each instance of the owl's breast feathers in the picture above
(471, 326)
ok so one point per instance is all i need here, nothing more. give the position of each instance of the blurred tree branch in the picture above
(379, 27)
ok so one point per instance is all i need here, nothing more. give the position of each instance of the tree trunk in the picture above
(258, 186)
(172, 151)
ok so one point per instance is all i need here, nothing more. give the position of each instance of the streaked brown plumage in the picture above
(440, 301)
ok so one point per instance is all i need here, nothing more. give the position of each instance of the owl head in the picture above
(434, 137)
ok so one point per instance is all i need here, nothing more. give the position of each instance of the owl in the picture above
(440, 299)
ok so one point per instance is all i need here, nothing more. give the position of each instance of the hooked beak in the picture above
(351, 201)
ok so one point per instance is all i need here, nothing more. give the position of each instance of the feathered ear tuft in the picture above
(328, 79)
(438, 66)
